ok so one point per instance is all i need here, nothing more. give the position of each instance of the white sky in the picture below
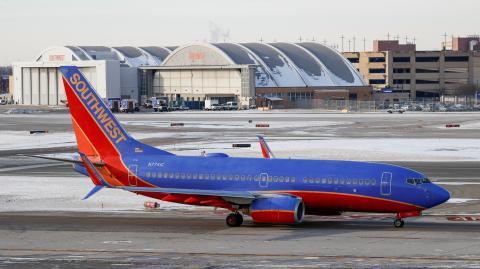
(29, 26)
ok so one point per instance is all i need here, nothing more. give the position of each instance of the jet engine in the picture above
(277, 209)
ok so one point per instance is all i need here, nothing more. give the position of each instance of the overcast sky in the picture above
(29, 26)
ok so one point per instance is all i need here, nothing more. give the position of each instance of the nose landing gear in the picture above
(234, 219)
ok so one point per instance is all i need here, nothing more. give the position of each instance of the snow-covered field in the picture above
(33, 193)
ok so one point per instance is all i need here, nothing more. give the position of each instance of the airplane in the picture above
(269, 190)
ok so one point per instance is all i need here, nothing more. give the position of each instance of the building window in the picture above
(401, 81)
(376, 81)
(401, 70)
(353, 60)
(420, 70)
(401, 59)
(432, 59)
(423, 81)
(376, 70)
(376, 59)
(456, 58)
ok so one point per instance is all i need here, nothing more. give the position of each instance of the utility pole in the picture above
(445, 41)
(354, 43)
(325, 41)
(388, 36)
(397, 37)
(342, 37)
(406, 39)
(300, 39)
(364, 42)
(261, 39)
(349, 41)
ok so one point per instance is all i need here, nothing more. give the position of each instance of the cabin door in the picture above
(386, 184)
(132, 174)
(263, 181)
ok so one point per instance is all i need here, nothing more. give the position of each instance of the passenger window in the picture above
(275, 179)
(194, 176)
(335, 181)
(249, 178)
(287, 179)
(230, 177)
(354, 181)
(177, 175)
(256, 178)
(317, 180)
(348, 181)
(342, 181)
(182, 176)
(200, 176)
(324, 180)
(189, 176)
(292, 180)
(171, 175)
(374, 182)
(281, 179)
(329, 180)
(219, 177)
(310, 180)
(224, 177)
(147, 174)
(418, 180)
(243, 177)
(305, 180)
(165, 175)
(269, 178)
(154, 174)
(237, 177)
(367, 182)
(360, 181)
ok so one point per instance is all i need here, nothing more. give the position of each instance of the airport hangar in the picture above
(243, 72)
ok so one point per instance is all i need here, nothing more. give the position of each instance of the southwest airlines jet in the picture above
(270, 190)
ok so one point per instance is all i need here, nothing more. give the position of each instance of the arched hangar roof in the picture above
(128, 55)
(280, 64)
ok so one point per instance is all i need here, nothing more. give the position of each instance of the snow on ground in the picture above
(24, 193)
(461, 200)
(371, 149)
(237, 125)
(10, 140)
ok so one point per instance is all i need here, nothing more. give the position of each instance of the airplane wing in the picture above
(266, 152)
(219, 193)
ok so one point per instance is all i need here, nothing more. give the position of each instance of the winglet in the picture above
(93, 191)
(266, 152)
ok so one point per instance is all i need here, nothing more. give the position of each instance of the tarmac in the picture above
(447, 236)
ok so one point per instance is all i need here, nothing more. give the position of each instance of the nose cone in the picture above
(439, 195)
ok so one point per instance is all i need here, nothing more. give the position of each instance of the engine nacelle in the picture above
(277, 209)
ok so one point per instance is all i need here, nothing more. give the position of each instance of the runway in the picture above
(56, 236)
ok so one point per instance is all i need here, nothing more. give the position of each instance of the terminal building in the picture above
(241, 72)
(453, 71)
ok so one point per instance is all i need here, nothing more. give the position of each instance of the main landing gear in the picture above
(398, 223)
(234, 219)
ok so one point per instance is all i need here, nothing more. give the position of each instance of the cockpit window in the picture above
(418, 181)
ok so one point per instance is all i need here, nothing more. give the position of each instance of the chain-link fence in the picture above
(372, 106)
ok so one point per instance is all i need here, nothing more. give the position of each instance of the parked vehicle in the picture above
(396, 110)
(129, 105)
(114, 105)
(230, 106)
(159, 105)
(3, 102)
(210, 103)
(182, 107)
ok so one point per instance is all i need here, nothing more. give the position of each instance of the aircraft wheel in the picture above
(398, 223)
(234, 219)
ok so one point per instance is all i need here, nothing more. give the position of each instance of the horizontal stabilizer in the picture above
(93, 191)
(68, 160)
